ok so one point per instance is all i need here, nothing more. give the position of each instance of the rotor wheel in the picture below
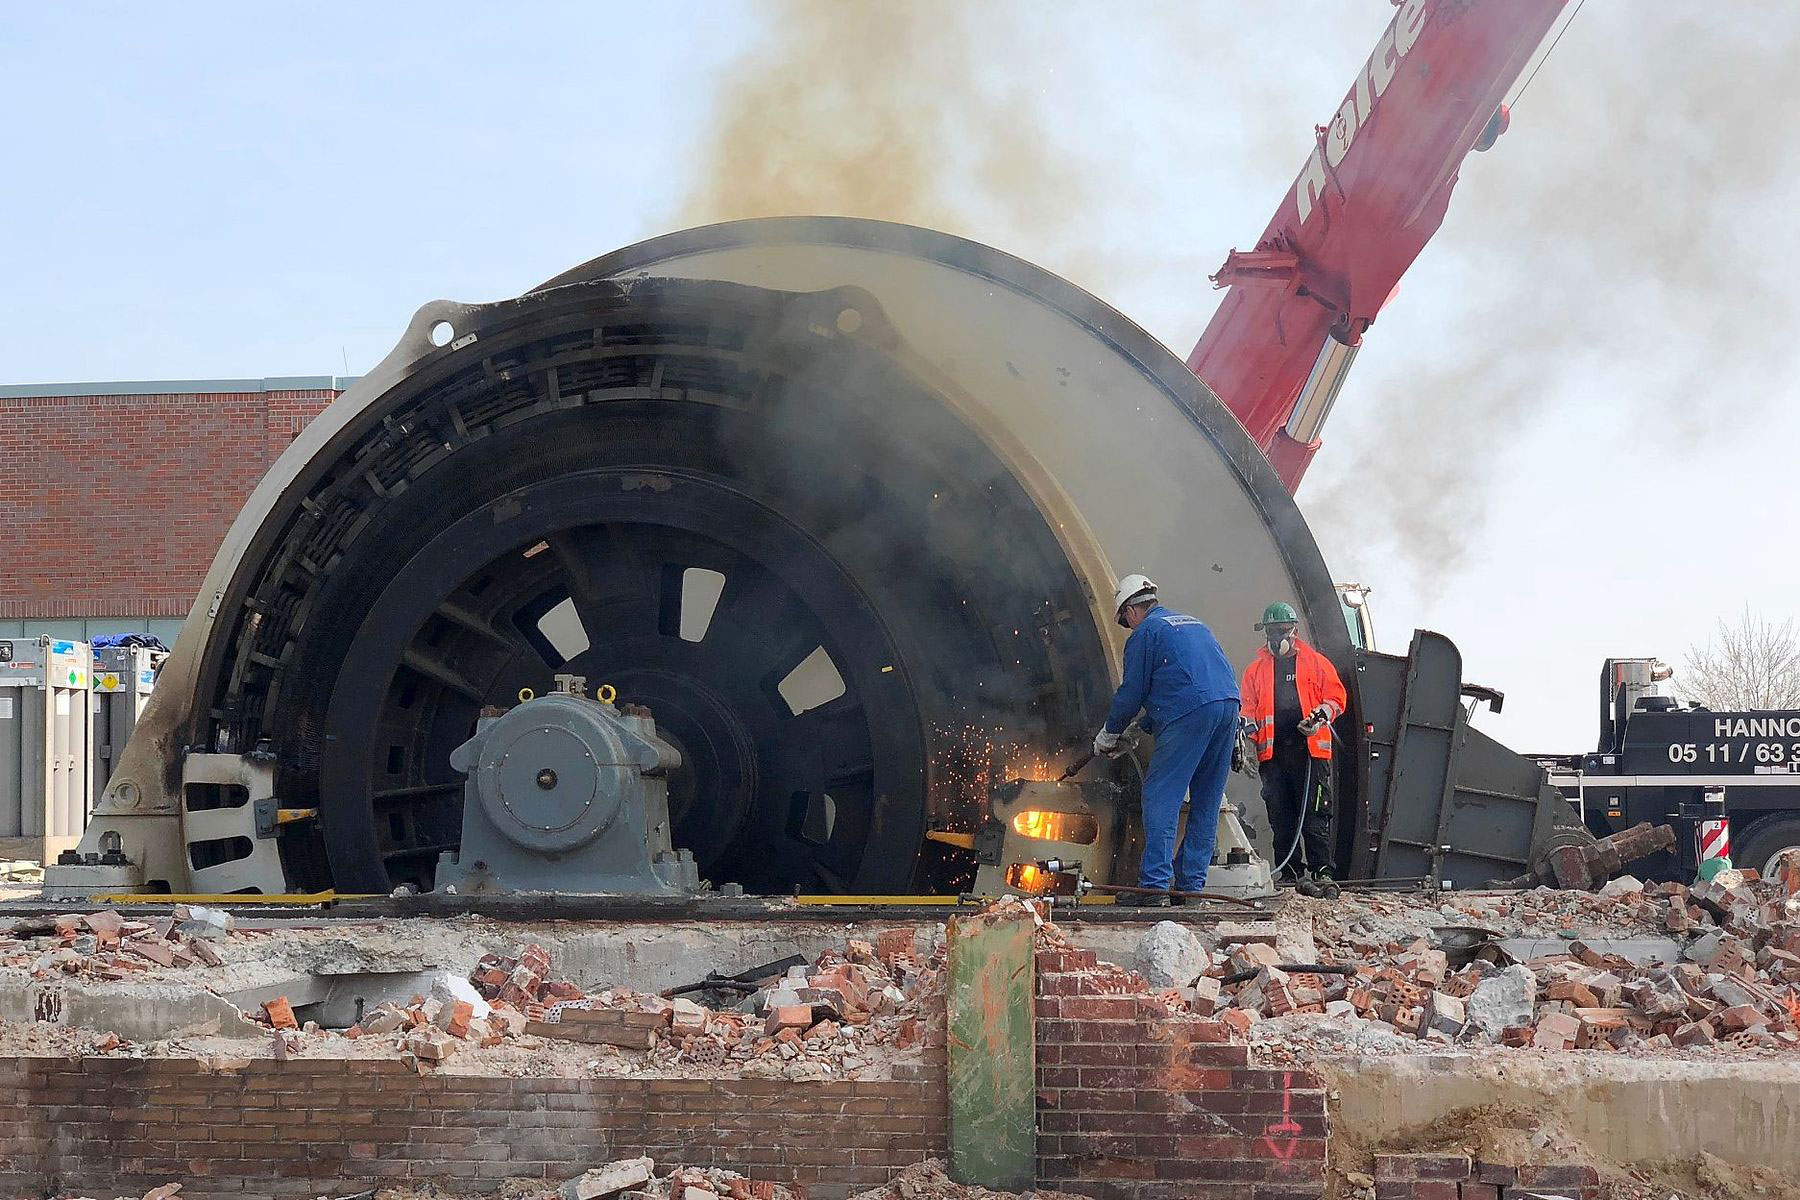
(833, 597)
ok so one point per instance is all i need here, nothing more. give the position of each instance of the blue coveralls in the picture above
(1176, 671)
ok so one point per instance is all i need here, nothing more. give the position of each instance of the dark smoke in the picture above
(1623, 249)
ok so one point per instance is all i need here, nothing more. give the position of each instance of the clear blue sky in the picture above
(1570, 435)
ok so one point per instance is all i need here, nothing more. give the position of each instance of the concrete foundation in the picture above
(1625, 1110)
(144, 1012)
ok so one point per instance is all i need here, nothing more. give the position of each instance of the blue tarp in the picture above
(147, 640)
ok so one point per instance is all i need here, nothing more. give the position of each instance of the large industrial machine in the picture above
(837, 503)
(836, 506)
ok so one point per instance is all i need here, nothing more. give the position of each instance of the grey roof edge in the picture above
(181, 387)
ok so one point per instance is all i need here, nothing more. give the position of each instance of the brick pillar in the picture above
(1138, 1103)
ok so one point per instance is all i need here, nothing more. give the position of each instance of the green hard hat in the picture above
(1279, 613)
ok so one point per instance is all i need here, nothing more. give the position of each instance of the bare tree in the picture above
(1749, 663)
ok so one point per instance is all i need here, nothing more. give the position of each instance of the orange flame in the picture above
(1049, 826)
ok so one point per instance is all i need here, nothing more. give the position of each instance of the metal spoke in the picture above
(761, 626)
(615, 594)
(440, 672)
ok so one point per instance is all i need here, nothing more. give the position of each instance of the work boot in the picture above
(1308, 887)
(1141, 900)
(1326, 885)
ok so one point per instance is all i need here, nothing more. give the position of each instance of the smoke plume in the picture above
(1618, 254)
(1622, 250)
(898, 112)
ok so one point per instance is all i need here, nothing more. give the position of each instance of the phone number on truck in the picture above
(1774, 754)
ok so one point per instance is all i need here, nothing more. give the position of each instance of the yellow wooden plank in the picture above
(233, 898)
(874, 901)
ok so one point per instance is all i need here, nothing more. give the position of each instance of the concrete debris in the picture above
(636, 1179)
(1735, 984)
(449, 989)
(214, 924)
(108, 946)
(1170, 956)
(1503, 1001)
(929, 1181)
(828, 1019)
(599, 1183)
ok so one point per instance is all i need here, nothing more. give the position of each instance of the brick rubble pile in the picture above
(106, 945)
(1736, 978)
(822, 1021)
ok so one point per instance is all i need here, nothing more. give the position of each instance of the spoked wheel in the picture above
(821, 582)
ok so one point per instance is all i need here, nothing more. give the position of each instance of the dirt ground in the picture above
(1513, 1136)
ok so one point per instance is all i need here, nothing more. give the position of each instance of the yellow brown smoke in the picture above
(887, 111)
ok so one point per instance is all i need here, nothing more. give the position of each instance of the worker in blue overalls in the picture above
(1178, 675)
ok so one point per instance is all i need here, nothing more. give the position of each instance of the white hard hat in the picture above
(1132, 589)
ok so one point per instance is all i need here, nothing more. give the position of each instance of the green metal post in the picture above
(993, 1052)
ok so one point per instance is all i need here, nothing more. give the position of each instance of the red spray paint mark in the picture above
(1284, 1146)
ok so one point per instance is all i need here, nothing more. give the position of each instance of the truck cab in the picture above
(1661, 758)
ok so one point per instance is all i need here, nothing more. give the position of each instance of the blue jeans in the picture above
(1192, 758)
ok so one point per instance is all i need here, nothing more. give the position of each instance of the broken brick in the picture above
(1555, 1031)
(280, 1013)
(895, 943)
(1574, 992)
(156, 951)
(1239, 1019)
(454, 1018)
(1254, 956)
(430, 1043)
(1740, 1017)
(788, 1016)
(106, 924)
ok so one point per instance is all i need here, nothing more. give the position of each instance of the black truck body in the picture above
(1662, 760)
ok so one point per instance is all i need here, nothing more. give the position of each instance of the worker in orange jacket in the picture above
(1292, 694)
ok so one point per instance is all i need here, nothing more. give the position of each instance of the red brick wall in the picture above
(1458, 1177)
(116, 504)
(1136, 1104)
(107, 1126)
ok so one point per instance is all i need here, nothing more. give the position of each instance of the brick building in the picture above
(114, 496)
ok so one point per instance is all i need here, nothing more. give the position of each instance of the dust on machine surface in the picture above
(753, 554)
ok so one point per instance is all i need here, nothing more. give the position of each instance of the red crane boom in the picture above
(1370, 196)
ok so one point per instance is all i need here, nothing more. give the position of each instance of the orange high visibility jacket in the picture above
(1314, 678)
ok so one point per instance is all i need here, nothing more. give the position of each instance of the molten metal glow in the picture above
(1056, 826)
(1026, 877)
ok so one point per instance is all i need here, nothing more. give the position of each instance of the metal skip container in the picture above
(46, 735)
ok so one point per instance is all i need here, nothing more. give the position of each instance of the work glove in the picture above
(1316, 720)
(1107, 743)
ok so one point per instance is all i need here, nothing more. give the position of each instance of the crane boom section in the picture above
(1370, 195)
